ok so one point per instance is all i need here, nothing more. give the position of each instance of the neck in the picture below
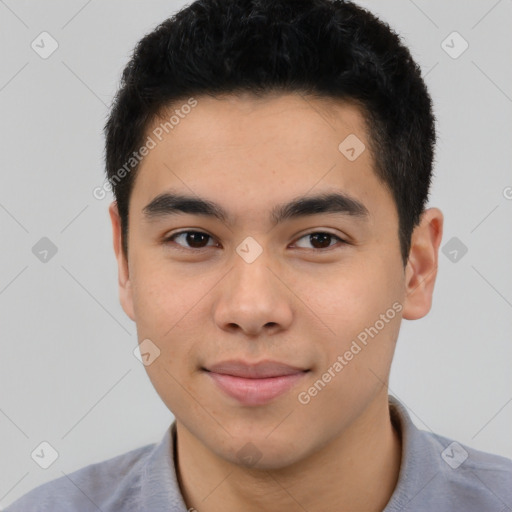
(358, 470)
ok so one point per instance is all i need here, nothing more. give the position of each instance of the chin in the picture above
(260, 453)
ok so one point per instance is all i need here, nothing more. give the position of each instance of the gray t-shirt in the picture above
(436, 474)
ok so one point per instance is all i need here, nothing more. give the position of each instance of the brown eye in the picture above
(322, 240)
(191, 239)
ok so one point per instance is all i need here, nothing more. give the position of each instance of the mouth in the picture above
(254, 384)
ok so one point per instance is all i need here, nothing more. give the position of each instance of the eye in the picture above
(195, 239)
(198, 240)
(322, 239)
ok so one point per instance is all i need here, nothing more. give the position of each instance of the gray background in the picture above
(68, 375)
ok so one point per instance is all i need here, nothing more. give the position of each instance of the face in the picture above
(316, 297)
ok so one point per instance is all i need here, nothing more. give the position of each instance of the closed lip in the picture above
(254, 384)
(259, 370)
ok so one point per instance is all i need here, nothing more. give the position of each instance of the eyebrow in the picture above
(169, 203)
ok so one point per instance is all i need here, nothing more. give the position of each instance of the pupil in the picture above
(190, 239)
(324, 236)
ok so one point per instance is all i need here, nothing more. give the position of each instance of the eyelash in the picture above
(170, 239)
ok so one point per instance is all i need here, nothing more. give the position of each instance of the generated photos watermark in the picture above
(157, 135)
(343, 360)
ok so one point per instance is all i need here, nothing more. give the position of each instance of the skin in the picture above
(297, 303)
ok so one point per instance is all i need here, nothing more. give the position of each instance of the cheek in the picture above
(171, 309)
(166, 306)
(347, 299)
(362, 308)
(162, 296)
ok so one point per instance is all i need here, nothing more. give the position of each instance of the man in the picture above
(271, 163)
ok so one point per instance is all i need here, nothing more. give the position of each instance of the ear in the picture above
(421, 269)
(125, 288)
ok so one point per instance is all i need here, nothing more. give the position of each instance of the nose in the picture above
(253, 300)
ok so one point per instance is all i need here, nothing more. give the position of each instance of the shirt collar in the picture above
(159, 482)
(417, 466)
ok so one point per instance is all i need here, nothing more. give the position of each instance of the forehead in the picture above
(256, 152)
(242, 120)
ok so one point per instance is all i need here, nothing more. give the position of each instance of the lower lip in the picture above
(255, 391)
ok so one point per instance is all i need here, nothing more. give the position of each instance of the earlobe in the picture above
(421, 270)
(125, 288)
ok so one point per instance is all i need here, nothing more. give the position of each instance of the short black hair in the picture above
(322, 48)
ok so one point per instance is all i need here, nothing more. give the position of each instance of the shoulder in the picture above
(466, 478)
(441, 474)
(100, 486)
(469, 460)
